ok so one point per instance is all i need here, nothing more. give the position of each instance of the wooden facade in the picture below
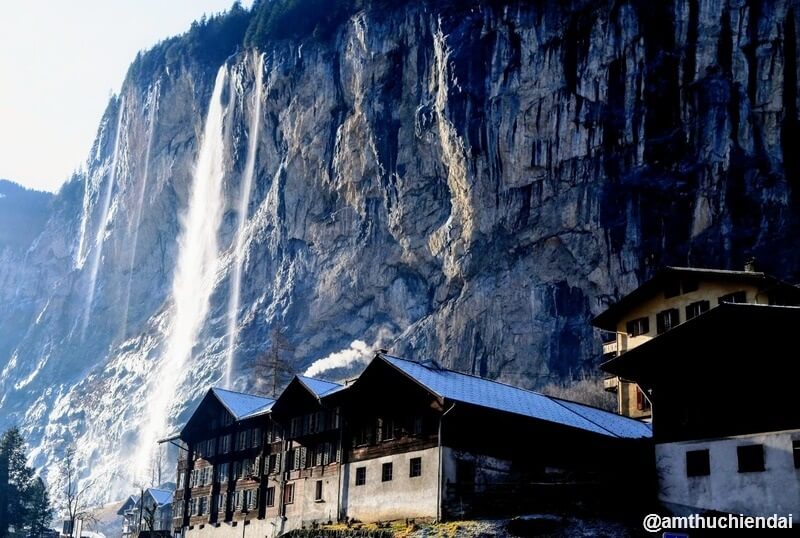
(388, 446)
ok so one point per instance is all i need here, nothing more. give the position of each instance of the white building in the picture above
(726, 423)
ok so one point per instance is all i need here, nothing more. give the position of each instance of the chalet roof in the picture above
(319, 387)
(128, 504)
(727, 336)
(162, 497)
(242, 405)
(608, 319)
(459, 387)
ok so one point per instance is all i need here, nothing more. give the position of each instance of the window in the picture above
(735, 297)
(751, 458)
(272, 464)
(236, 501)
(635, 327)
(271, 496)
(220, 502)
(296, 427)
(387, 429)
(361, 476)
(255, 441)
(202, 504)
(249, 499)
(695, 309)
(642, 403)
(181, 478)
(222, 472)
(690, 285)
(225, 444)
(363, 436)
(242, 440)
(667, 319)
(796, 452)
(318, 491)
(417, 427)
(415, 467)
(248, 467)
(386, 472)
(672, 289)
(697, 463)
(288, 494)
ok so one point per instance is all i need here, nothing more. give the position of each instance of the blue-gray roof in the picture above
(160, 496)
(482, 392)
(319, 387)
(243, 405)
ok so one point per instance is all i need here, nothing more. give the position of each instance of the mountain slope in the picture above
(465, 181)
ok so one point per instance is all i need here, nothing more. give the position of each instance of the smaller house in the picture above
(723, 386)
(148, 514)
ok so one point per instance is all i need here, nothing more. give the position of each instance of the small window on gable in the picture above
(698, 463)
(695, 309)
(417, 426)
(638, 326)
(751, 458)
(672, 289)
(667, 319)
(689, 285)
(735, 297)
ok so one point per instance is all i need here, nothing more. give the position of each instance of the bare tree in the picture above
(74, 502)
(156, 467)
(271, 367)
(149, 512)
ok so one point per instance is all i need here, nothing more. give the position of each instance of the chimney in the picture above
(750, 265)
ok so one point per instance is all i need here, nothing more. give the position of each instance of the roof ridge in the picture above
(318, 379)
(242, 393)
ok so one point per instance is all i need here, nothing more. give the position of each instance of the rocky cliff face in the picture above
(468, 182)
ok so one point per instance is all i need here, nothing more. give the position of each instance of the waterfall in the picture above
(100, 235)
(152, 102)
(193, 280)
(241, 214)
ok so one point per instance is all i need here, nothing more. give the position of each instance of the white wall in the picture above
(776, 490)
(258, 528)
(402, 497)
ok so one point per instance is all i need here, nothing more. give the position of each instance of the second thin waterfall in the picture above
(241, 214)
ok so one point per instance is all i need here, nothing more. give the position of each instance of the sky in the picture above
(60, 61)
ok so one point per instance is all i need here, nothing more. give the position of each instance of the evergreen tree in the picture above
(24, 503)
(20, 478)
(40, 513)
(4, 491)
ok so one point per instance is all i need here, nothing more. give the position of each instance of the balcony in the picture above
(610, 348)
(610, 383)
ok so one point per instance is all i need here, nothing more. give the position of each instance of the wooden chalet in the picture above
(404, 440)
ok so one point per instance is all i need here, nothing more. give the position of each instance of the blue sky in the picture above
(59, 63)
